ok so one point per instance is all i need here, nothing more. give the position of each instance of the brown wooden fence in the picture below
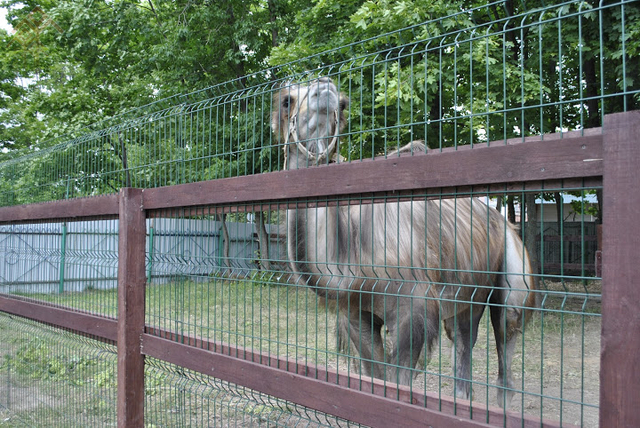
(567, 253)
(608, 156)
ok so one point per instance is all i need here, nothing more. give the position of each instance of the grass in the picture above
(45, 373)
(254, 315)
(556, 362)
(242, 312)
(69, 379)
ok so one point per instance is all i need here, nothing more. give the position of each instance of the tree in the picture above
(97, 59)
(449, 73)
(465, 72)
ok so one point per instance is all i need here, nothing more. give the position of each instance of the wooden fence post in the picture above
(620, 345)
(131, 308)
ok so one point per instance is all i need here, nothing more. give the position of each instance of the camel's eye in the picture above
(287, 102)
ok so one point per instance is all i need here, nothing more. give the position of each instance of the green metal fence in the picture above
(51, 377)
(480, 75)
(496, 75)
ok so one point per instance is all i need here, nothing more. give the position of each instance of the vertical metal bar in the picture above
(63, 252)
(151, 249)
(131, 308)
(9, 368)
(220, 248)
(620, 345)
(63, 247)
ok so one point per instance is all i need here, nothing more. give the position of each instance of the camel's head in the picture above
(307, 119)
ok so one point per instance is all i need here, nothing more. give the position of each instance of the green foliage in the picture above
(464, 72)
(95, 59)
(154, 382)
(448, 73)
(579, 206)
(39, 359)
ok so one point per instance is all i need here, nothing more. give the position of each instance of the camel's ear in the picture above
(344, 103)
(283, 103)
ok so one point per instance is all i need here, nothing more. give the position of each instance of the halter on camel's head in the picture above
(308, 119)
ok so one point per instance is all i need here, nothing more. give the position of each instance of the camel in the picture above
(396, 271)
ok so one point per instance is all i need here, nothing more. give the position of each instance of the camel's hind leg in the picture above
(462, 330)
(506, 335)
(364, 332)
(508, 313)
(409, 327)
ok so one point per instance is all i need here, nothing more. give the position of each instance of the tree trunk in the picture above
(273, 14)
(263, 241)
(125, 164)
(530, 227)
(511, 209)
(120, 149)
(591, 85)
(225, 237)
(559, 202)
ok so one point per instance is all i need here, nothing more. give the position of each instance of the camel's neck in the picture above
(312, 235)
(294, 159)
(297, 237)
(297, 229)
(312, 245)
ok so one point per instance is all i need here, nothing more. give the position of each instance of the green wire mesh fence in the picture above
(179, 397)
(490, 75)
(51, 377)
(54, 378)
(480, 75)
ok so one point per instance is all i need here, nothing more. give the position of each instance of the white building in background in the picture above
(547, 211)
